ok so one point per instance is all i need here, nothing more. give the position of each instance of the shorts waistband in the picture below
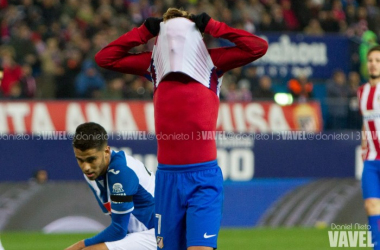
(188, 167)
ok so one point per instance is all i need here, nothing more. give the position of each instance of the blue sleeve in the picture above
(116, 231)
(123, 185)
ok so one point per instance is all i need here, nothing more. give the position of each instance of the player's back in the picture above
(184, 109)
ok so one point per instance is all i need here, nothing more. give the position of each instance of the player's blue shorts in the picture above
(371, 179)
(189, 200)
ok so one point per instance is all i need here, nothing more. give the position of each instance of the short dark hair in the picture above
(90, 135)
(374, 48)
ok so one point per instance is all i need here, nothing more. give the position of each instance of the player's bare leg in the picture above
(100, 246)
(199, 248)
(372, 206)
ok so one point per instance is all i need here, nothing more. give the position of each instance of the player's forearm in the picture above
(364, 145)
(116, 231)
(251, 44)
(364, 139)
(77, 246)
(119, 49)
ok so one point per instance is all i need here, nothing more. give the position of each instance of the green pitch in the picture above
(229, 239)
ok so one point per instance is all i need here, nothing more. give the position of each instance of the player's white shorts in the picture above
(145, 240)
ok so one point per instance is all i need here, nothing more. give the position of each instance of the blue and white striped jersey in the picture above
(127, 187)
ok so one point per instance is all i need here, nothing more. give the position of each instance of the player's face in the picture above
(374, 64)
(93, 162)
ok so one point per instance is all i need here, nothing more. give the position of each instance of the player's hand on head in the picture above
(201, 21)
(153, 25)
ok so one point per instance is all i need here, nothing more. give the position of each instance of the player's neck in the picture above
(107, 164)
(374, 81)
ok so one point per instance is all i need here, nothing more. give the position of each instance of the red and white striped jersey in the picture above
(180, 48)
(369, 104)
(182, 104)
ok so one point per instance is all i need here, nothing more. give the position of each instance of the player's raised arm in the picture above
(116, 56)
(248, 46)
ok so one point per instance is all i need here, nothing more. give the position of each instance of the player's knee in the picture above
(199, 248)
(372, 206)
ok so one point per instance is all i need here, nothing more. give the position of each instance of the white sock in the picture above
(1, 246)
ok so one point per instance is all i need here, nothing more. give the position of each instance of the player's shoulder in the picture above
(132, 162)
(119, 171)
(362, 87)
(120, 161)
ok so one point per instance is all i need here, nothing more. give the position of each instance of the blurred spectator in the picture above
(314, 28)
(138, 91)
(373, 11)
(353, 83)
(245, 93)
(40, 177)
(328, 21)
(89, 81)
(232, 94)
(354, 116)
(267, 24)
(250, 74)
(15, 91)
(255, 10)
(67, 73)
(368, 41)
(236, 74)
(51, 58)
(350, 14)
(12, 73)
(337, 11)
(300, 88)
(303, 11)
(362, 21)
(278, 20)
(338, 93)
(264, 90)
(290, 18)
(114, 90)
(21, 43)
(27, 82)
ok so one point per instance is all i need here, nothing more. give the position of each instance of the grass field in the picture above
(229, 239)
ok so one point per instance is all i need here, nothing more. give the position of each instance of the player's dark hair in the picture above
(90, 135)
(375, 48)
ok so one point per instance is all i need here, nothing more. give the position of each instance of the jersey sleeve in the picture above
(116, 56)
(123, 185)
(248, 46)
(116, 231)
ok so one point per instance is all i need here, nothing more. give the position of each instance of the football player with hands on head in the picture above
(186, 77)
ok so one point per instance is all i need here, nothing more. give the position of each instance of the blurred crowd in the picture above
(47, 47)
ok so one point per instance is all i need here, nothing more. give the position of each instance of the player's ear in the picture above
(107, 150)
